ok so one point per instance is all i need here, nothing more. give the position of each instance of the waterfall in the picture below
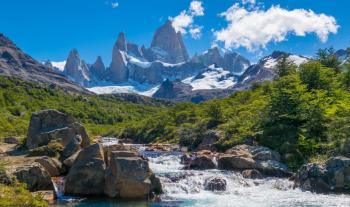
(58, 183)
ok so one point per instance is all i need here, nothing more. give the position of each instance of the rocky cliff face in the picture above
(167, 45)
(118, 72)
(76, 69)
(15, 63)
(235, 63)
(98, 69)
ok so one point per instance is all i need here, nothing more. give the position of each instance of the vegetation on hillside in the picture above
(18, 99)
(304, 114)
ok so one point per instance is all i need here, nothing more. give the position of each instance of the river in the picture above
(186, 188)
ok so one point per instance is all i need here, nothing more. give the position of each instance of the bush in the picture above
(18, 195)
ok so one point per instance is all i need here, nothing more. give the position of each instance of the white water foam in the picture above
(187, 187)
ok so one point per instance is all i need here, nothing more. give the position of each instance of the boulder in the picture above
(208, 141)
(49, 125)
(246, 157)
(202, 162)
(273, 168)
(68, 163)
(130, 178)
(52, 165)
(234, 162)
(72, 147)
(215, 184)
(10, 140)
(35, 176)
(252, 174)
(87, 175)
(331, 176)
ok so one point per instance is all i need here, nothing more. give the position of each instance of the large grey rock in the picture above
(215, 184)
(52, 165)
(202, 162)
(130, 178)
(167, 45)
(331, 176)
(48, 125)
(208, 141)
(35, 176)
(234, 162)
(245, 157)
(87, 175)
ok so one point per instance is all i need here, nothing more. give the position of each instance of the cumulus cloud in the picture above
(254, 29)
(114, 5)
(248, 1)
(196, 32)
(184, 22)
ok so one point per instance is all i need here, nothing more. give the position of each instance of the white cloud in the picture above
(255, 29)
(114, 5)
(248, 1)
(196, 8)
(196, 32)
(184, 22)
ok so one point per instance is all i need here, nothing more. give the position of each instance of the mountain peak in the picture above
(4, 41)
(121, 42)
(168, 45)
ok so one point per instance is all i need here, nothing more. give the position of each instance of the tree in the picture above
(316, 76)
(285, 66)
(346, 76)
(328, 58)
(214, 113)
(284, 118)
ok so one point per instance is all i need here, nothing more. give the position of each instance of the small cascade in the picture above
(58, 183)
(108, 141)
(187, 187)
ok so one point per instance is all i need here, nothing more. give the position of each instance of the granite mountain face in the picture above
(164, 70)
(146, 69)
(15, 63)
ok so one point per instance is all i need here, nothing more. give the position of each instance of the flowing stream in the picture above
(186, 188)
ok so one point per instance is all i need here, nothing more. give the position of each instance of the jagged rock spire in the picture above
(121, 42)
(168, 45)
(98, 68)
(118, 72)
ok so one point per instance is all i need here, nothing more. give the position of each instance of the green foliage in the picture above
(19, 99)
(18, 195)
(328, 58)
(53, 149)
(285, 67)
(346, 76)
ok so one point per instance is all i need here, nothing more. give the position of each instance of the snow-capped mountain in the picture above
(165, 70)
(211, 78)
(264, 70)
(143, 70)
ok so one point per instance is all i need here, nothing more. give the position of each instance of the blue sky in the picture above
(49, 29)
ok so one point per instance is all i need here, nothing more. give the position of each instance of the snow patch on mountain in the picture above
(128, 87)
(59, 65)
(297, 59)
(213, 78)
